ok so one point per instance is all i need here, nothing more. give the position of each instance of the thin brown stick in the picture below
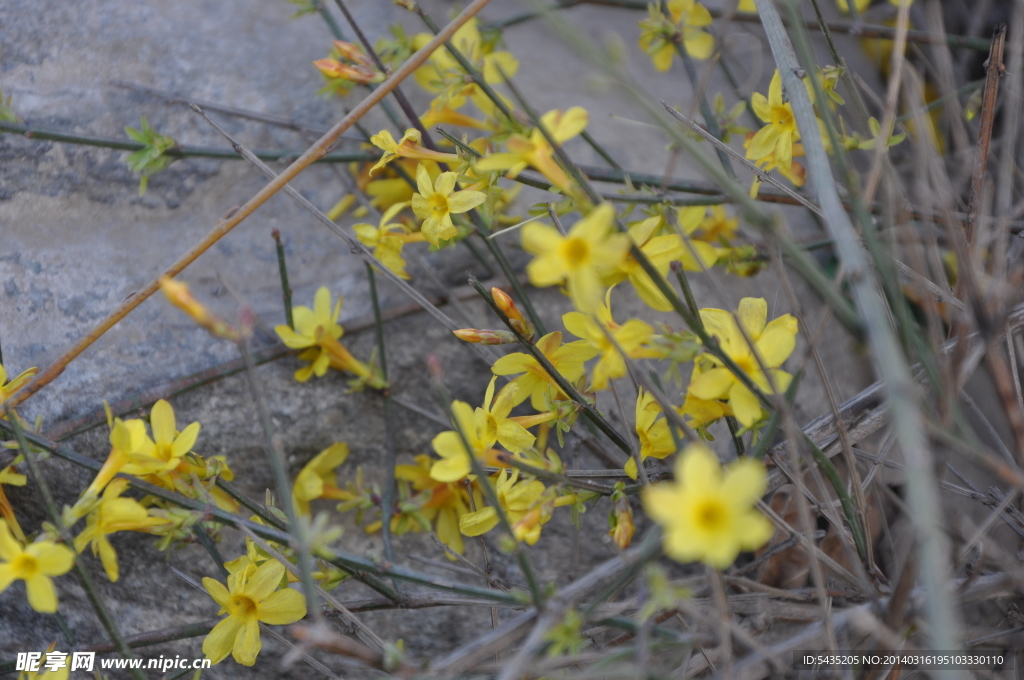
(993, 72)
(225, 225)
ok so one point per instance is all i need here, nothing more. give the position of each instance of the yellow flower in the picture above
(443, 74)
(7, 389)
(684, 22)
(717, 228)
(773, 343)
(129, 442)
(535, 382)
(455, 462)
(35, 564)
(510, 432)
(317, 479)
(169, 445)
(661, 251)
(251, 597)
(436, 202)
(388, 238)
(444, 502)
(655, 438)
(578, 259)
(317, 331)
(112, 514)
(778, 136)
(534, 151)
(632, 336)
(707, 516)
(523, 504)
(408, 147)
(702, 412)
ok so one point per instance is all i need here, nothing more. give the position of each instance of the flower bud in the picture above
(332, 68)
(484, 336)
(180, 296)
(353, 53)
(620, 520)
(515, 317)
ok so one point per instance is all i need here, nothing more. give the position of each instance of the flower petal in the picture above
(282, 607)
(247, 642)
(41, 594)
(713, 384)
(217, 591)
(265, 580)
(745, 405)
(479, 522)
(752, 313)
(161, 420)
(745, 482)
(221, 639)
(463, 201)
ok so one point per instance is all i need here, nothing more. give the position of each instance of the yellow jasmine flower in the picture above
(408, 147)
(773, 343)
(7, 389)
(455, 462)
(534, 383)
(780, 133)
(317, 479)
(707, 515)
(661, 251)
(510, 432)
(441, 113)
(251, 597)
(534, 151)
(632, 336)
(522, 502)
(774, 144)
(443, 74)
(579, 259)
(655, 437)
(684, 24)
(444, 502)
(436, 202)
(702, 412)
(110, 515)
(317, 331)
(388, 238)
(169, 445)
(35, 564)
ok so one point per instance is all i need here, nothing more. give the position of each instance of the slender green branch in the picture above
(286, 289)
(180, 151)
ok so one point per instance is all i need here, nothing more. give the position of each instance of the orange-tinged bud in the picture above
(484, 336)
(515, 317)
(180, 296)
(353, 53)
(332, 68)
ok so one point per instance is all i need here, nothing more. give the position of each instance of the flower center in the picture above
(242, 605)
(711, 516)
(783, 117)
(576, 251)
(164, 452)
(25, 566)
(439, 204)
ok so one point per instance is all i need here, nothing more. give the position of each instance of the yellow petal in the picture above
(265, 580)
(41, 594)
(713, 384)
(221, 639)
(186, 440)
(161, 419)
(698, 469)
(282, 607)
(247, 642)
(9, 548)
(744, 482)
(217, 591)
(51, 558)
(464, 201)
(745, 405)
(752, 313)
(479, 522)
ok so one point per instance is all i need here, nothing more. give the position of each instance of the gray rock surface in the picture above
(76, 239)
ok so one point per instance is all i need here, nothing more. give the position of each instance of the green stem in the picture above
(180, 151)
(282, 268)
